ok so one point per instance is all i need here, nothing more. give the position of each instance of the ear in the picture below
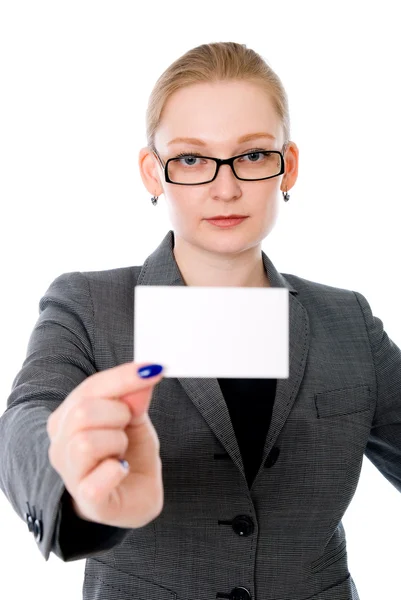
(150, 171)
(291, 166)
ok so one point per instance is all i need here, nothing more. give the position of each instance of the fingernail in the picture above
(150, 370)
(124, 464)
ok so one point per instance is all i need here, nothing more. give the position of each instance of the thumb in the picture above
(138, 402)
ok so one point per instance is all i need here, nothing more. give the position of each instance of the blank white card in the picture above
(239, 332)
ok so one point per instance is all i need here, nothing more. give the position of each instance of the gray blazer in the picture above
(281, 540)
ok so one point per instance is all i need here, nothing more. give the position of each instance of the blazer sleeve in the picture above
(60, 355)
(383, 448)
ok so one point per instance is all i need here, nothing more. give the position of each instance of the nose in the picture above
(226, 175)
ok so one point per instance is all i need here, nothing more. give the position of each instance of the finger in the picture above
(115, 382)
(97, 487)
(88, 449)
(96, 413)
(110, 383)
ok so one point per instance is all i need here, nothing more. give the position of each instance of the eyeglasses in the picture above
(268, 164)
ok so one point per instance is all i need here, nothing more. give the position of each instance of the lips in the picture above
(226, 223)
(228, 217)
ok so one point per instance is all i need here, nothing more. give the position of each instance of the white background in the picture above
(75, 79)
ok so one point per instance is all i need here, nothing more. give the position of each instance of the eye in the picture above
(260, 154)
(191, 157)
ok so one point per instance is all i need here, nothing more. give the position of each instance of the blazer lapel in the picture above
(161, 268)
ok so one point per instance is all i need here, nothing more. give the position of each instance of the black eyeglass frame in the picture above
(219, 162)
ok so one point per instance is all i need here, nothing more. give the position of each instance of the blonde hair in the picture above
(219, 61)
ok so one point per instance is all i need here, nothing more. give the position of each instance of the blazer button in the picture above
(37, 530)
(243, 525)
(272, 457)
(240, 593)
(29, 521)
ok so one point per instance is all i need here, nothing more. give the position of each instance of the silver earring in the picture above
(154, 200)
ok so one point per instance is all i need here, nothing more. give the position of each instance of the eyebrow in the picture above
(244, 138)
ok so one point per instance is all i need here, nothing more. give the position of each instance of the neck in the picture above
(201, 267)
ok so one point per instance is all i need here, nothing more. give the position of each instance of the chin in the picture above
(227, 241)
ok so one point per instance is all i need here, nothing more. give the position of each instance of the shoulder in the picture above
(322, 298)
(307, 287)
(117, 276)
(84, 286)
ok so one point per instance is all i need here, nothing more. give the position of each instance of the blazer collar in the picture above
(161, 268)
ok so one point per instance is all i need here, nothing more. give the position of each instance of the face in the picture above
(219, 114)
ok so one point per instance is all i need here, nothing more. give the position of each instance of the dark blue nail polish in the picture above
(149, 371)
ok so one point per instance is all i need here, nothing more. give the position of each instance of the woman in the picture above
(236, 488)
